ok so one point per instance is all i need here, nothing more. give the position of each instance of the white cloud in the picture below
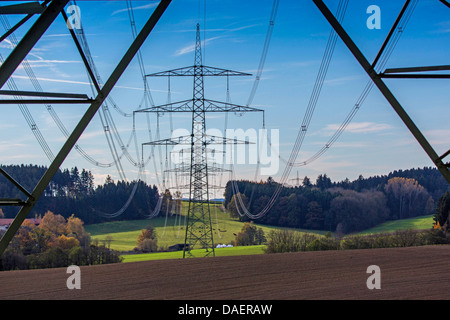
(89, 135)
(438, 136)
(7, 44)
(85, 83)
(218, 29)
(50, 64)
(146, 6)
(191, 47)
(341, 80)
(52, 80)
(359, 127)
(339, 144)
(442, 27)
(52, 61)
(7, 146)
(233, 29)
(99, 178)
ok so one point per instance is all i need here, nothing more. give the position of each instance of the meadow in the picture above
(416, 223)
(170, 230)
(219, 252)
(122, 235)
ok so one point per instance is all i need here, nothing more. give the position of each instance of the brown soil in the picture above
(406, 273)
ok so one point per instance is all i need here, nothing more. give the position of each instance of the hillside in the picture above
(344, 207)
(123, 234)
(170, 230)
(417, 223)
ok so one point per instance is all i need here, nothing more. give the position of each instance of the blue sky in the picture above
(376, 142)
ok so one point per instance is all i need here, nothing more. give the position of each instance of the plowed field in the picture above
(406, 273)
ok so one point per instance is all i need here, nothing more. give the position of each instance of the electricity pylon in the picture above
(297, 180)
(199, 226)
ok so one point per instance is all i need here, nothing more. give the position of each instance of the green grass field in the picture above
(219, 252)
(416, 223)
(169, 230)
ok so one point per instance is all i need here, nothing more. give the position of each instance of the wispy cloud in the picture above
(191, 47)
(89, 135)
(84, 83)
(53, 80)
(146, 6)
(53, 61)
(438, 136)
(6, 146)
(7, 44)
(49, 63)
(301, 64)
(99, 178)
(359, 127)
(442, 27)
(221, 29)
(328, 163)
(340, 144)
(341, 80)
(59, 35)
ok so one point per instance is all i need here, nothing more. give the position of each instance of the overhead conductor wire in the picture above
(386, 54)
(304, 126)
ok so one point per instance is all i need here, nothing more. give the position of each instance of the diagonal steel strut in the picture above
(19, 53)
(376, 78)
(82, 124)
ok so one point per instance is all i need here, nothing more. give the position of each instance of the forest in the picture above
(73, 192)
(344, 206)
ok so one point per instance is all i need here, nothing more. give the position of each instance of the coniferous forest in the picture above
(73, 192)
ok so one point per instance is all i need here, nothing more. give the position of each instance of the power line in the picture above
(29, 119)
(305, 123)
(360, 101)
(357, 106)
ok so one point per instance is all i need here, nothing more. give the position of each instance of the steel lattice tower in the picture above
(199, 226)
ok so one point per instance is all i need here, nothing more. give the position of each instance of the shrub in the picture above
(357, 242)
(382, 240)
(11, 260)
(288, 241)
(51, 258)
(249, 235)
(406, 238)
(323, 244)
(435, 236)
(148, 245)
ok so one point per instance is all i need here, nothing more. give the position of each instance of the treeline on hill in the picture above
(73, 192)
(345, 206)
(287, 240)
